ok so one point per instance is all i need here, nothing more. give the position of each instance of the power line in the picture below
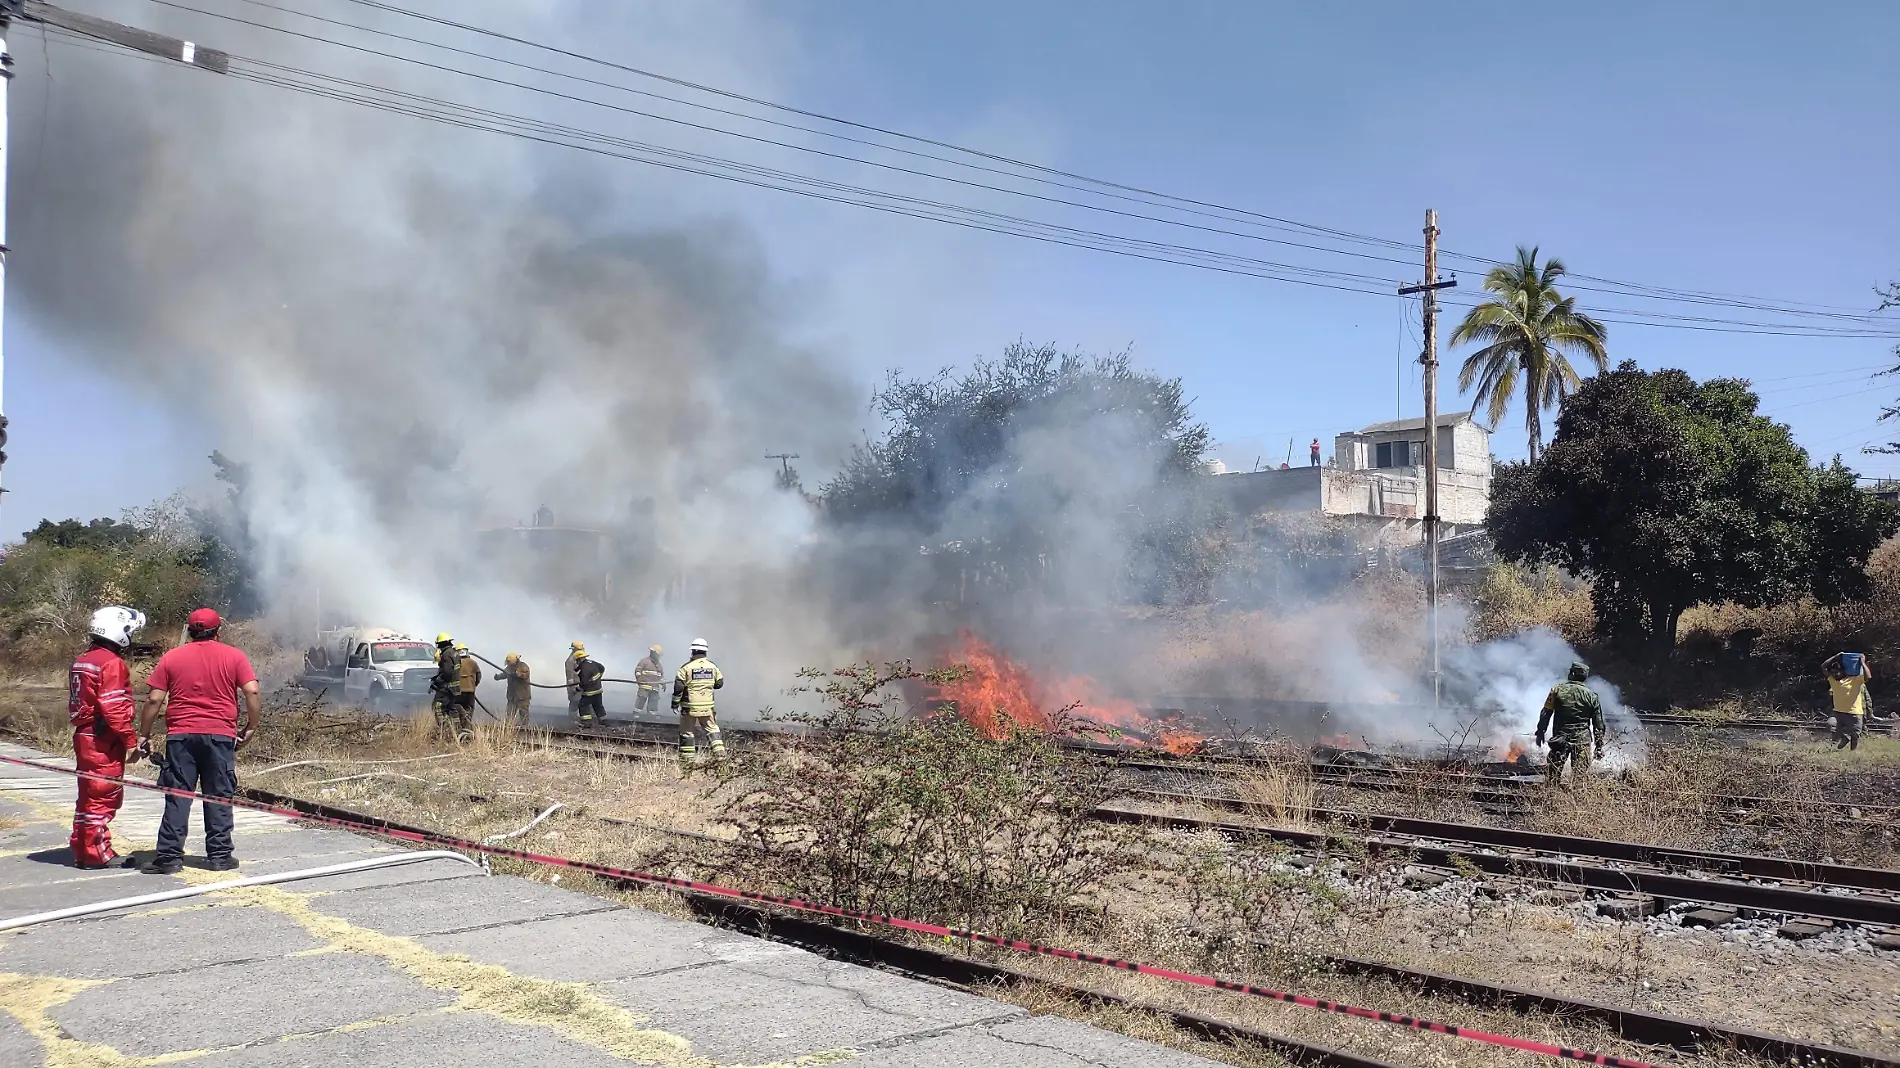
(1660, 292)
(473, 117)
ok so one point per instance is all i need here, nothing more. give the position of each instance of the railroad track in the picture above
(1774, 885)
(1634, 1025)
(1511, 795)
(1837, 893)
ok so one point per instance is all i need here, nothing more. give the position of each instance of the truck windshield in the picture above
(384, 652)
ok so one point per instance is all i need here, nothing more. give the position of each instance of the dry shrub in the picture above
(925, 818)
(1284, 789)
(1517, 597)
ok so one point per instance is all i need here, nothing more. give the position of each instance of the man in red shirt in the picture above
(99, 704)
(196, 685)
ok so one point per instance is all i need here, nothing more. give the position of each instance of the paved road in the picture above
(436, 964)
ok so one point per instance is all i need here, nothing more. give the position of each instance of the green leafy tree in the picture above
(1527, 332)
(1001, 466)
(1669, 493)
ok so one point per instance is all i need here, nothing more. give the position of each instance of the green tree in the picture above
(1669, 493)
(1002, 467)
(1527, 332)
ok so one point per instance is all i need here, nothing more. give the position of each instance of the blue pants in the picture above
(206, 764)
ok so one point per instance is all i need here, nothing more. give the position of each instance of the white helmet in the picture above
(116, 623)
(698, 646)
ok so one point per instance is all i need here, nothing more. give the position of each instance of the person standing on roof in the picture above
(520, 689)
(648, 677)
(693, 687)
(99, 704)
(587, 675)
(196, 686)
(1572, 713)
(1315, 452)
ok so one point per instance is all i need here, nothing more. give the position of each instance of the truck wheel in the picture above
(378, 700)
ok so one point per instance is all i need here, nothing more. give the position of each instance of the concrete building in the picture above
(1376, 481)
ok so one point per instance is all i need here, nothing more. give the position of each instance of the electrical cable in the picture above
(784, 108)
(471, 117)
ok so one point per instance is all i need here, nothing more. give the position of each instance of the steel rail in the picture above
(1727, 864)
(1781, 900)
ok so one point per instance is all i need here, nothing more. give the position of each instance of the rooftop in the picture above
(1444, 419)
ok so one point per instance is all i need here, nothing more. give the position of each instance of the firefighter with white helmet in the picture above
(99, 705)
(693, 686)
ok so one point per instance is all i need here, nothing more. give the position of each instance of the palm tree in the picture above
(1526, 330)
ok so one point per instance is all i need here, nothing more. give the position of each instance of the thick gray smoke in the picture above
(412, 332)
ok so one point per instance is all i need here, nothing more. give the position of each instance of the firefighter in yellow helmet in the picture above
(468, 672)
(648, 678)
(576, 652)
(587, 679)
(446, 686)
(693, 686)
(520, 690)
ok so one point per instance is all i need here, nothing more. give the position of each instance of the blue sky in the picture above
(1736, 147)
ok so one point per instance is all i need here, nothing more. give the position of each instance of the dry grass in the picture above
(1256, 913)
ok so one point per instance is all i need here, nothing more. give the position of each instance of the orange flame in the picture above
(996, 692)
(1518, 751)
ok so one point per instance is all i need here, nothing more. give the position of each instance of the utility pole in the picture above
(1429, 358)
(128, 37)
(7, 11)
(784, 462)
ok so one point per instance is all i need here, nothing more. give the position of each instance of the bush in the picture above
(925, 819)
(1517, 597)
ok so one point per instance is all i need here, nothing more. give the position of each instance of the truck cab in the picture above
(375, 667)
(388, 670)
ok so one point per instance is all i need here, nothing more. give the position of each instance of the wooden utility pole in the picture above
(1429, 358)
(784, 462)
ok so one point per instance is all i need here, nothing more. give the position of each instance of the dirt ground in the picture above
(1831, 990)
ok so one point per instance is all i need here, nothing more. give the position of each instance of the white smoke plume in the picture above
(411, 333)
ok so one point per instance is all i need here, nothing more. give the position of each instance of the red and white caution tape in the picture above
(798, 904)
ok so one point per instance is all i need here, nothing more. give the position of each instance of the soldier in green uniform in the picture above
(693, 687)
(1574, 717)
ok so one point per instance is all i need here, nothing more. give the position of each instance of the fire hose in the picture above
(546, 685)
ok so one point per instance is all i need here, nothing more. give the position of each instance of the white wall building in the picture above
(1376, 480)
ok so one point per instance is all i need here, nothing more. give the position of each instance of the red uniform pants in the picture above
(98, 801)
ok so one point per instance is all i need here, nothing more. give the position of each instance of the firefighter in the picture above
(447, 683)
(99, 704)
(587, 676)
(576, 652)
(468, 673)
(648, 676)
(520, 691)
(1572, 713)
(693, 687)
